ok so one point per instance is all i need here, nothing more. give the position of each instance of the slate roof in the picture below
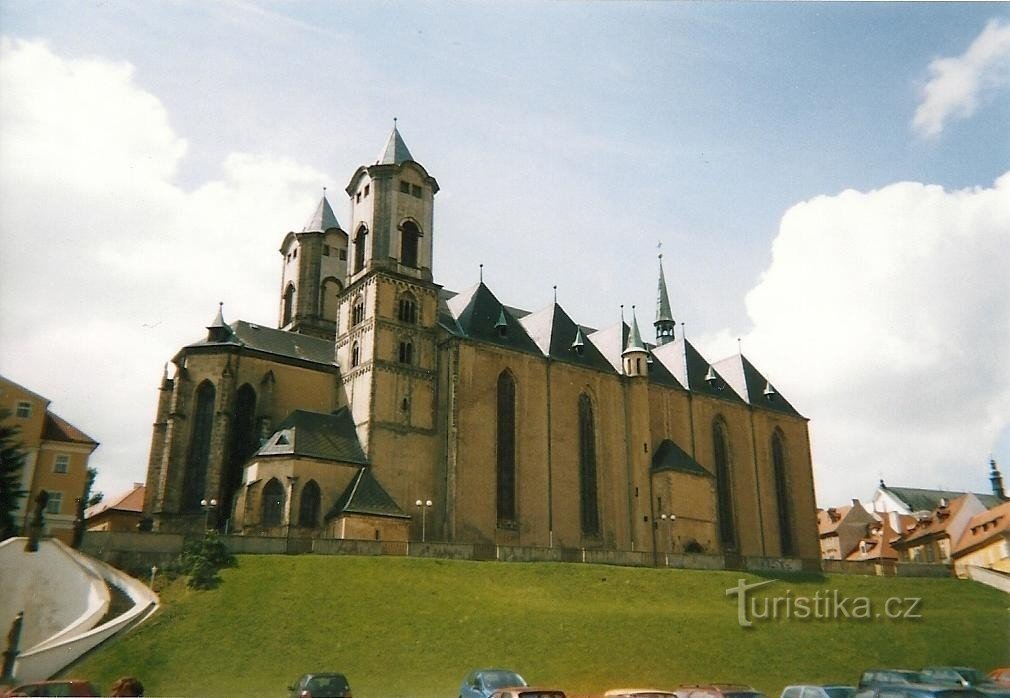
(553, 331)
(314, 435)
(689, 367)
(748, 382)
(395, 152)
(477, 314)
(663, 311)
(917, 499)
(670, 456)
(56, 428)
(277, 342)
(322, 220)
(364, 495)
(635, 342)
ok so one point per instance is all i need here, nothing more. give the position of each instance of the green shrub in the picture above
(202, 558)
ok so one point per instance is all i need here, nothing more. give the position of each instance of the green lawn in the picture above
(410, 627)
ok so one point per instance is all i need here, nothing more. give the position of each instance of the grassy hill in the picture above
(409, 627)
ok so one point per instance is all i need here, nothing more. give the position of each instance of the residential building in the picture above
(120, 513)
(985, 541)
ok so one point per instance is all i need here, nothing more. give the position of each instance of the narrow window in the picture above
(62, 464)
(308, 508)
(782, 495)
(54, 503)
(24, 409)
(407, 309)
(408, 244)
(506, 450)
(406, 353)
(343, 255)
(724, 492)
(359, 249)
(273, 503)
(326, 250)
(243, 442)
(357, 311)
(355, 354)
(415, 191)
(195, 477)
(366, 189)
(294, 254)
(587, 468)
(357, 198)
(289, 305)
(404, 187)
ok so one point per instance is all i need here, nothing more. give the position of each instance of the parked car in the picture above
(638, 693)
(1000, 677)
(528, 692)
(811, 691)
(916, 690)
(952, 675)
(717, 690)
(879, 677)
(60, 687)
(481, 683)
(321, 685)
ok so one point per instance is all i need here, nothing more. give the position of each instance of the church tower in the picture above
(665, 324)
(386, 326)
(313, 273)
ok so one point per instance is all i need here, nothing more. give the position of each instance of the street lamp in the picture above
(208, 506)
(670, 519)
(423, 506)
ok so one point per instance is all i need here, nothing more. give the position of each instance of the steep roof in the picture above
(690, 368)
(314, 435)
(271, 341)
(917, 499)
(478, 314)
(753, 387)
(877, 544)
(663, 312)
(554, 332)
(985, 527)
(635, 342)
(364, 495)
(322, 219)
(937, 522)
(132, 501)
(56, 428)
(826, 524)
(395, 152)
(670, 456)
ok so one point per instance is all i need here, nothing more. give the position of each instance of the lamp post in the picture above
(669, 519)
(423, 506)
(208, 506)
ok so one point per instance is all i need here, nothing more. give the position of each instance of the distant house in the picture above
(878, 543)
(911, 500)
(985, 542)
(933, 536)
(122, 513)
(56, 458)
(841, 528)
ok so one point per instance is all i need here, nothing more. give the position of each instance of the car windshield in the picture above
(840, 692)
(502, 679)
(326, 685)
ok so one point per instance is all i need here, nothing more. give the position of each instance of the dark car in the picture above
(718, 690)
(481, 683)
(917, 690)
(883, 677)
(60, 687)
(963, 676)
(321, 685)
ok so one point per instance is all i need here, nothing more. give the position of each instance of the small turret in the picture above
(635, 355)
(996, 479)
(218, 330)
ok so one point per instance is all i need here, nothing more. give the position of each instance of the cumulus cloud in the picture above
(885, 317)
(957, 84)
(105, 260)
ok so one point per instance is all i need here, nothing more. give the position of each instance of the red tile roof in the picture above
(131, 501)
(984, 527)
(58, 429)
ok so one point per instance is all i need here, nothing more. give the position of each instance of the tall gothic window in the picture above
(359, 248)
(587, 468)
(273, 503)
(506, 450)
(409, 235)
(406, 353)
(244, 441)
(308, 508)
(195, 479)
(355, 354)
(289, 304)
(724, 491)
(782, 494)
(330, 295)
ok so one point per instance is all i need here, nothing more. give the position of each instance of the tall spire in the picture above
(395, 152)
(665, 325)
(996, 479)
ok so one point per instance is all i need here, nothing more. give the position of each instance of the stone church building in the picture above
(383, 404)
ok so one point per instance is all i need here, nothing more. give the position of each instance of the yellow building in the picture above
(386, 406)
(56, 458)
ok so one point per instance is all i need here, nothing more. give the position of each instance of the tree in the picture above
(12, 459)
(202, 558)
(91, 499)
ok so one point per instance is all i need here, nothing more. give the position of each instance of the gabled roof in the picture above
(395, 152)
(479, 314)
(364, 495)
(131, 501)
(554, 331)
(938, 521)
(611, 342)
(877, 544)
(315, 435)
(753, 387)
(670, 456)
(917, 499)
(322, 219)
(278, 342)
(985, 527)
(828, 524)
(56, 428)
(689, 367)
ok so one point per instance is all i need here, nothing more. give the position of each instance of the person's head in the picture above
(127, 686)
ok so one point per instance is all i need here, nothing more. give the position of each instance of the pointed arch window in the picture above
(288, 305)
(273, 503)
(406, 352)
(782, 494)
(308, 508)
(724, 489)
(330, 293)
(243, 443)
(409, 236)
(357, 311)
(360, 240)
(506, 451)
(355, 354)
(589, 507)
(195, 477)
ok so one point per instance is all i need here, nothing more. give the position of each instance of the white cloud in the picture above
(104, 260)
(956, 84)
(885, 317)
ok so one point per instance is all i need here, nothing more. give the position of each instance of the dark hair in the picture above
(127, 686)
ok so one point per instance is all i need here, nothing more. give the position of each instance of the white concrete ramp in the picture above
(63, 594)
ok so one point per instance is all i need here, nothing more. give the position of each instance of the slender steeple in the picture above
(996, 479)
(665, 325)
(635, 355)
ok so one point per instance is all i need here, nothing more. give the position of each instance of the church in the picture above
(385, 407)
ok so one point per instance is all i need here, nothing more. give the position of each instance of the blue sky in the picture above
(568, 139)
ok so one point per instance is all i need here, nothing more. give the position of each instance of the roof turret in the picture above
(395, 152)
(323, 219)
